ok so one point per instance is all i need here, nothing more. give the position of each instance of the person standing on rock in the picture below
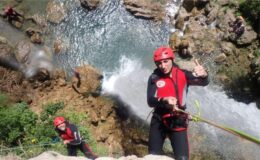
(12, 15)
(166, 93)
(71, 137)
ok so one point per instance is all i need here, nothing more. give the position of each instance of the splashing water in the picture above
(121, 46)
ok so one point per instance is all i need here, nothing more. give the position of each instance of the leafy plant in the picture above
(14, 122)
(251, 10)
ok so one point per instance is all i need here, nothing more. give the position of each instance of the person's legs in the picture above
(180, 144)
(157, 136)
(72, 150)
(87, 151)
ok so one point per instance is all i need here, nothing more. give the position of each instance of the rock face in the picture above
(5, 49)
(255, 66)
(23, 50)
(88, 80)
(56, 11)
(247, 37)
(50, 155)
(190, 4)
(89, 4)
(35, 35)
(145, 9)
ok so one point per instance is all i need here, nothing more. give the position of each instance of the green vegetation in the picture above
(257, 52)
(251, 10)
(26, 134)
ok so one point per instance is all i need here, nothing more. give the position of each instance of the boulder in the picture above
(223, 2)
(35, 35)
(38, 19)
(211, 17)
(247, 37)
(145, 9)
(3, 40)
(180, 23)
(227, 48)
(5, 49)
(7, 57)
(175, 40)
(88, 81)
(220, 58)
(255, 66)
(56, 11)
(190, 4)
(89, 4)
(51, 155)
(186, 65)
(22, 52)
(60, 45)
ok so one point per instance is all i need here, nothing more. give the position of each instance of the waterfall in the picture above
(112, 40)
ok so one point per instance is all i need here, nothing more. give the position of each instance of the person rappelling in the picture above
(71, 137)
(166, 93)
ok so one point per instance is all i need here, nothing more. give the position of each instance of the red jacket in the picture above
(71, 134)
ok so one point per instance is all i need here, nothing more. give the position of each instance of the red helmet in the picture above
(163, 53)
(58, 120)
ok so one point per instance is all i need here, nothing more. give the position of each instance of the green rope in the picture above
(198, 118)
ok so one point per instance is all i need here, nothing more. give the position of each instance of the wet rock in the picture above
(224, 19)
(38, 19)
(22, 52)
(89, 4)
(42, 75)
(5, 50)
(255, 66)
(190, 4)
(180, 23)
(186, 65)
(222, 78)
(145, 9)
(223, 2)
(36, 38)
(227, 48)
(247, 37)
(35, 35)
(175, 40)
(17, 24)
(211, 17)
(3, 40)
(56, 11)
(7, 57)
(60, 46)
(88, 82)
(220, 58)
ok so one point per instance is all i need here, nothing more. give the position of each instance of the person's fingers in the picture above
(196, 62)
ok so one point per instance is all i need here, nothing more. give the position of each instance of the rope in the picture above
(225, 128)
(26, 147)
(149, 115)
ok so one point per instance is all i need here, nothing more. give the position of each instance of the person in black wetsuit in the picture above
(166, 93)
(71, 137)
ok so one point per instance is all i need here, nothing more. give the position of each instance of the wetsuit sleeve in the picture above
(152, 100)
(76, 135)
(199, 81)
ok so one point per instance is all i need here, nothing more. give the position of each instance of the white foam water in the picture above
(129, 82)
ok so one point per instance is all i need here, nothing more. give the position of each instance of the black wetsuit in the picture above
(178, 131)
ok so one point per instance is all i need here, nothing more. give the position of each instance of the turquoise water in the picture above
(101, 37)
(121, 46)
